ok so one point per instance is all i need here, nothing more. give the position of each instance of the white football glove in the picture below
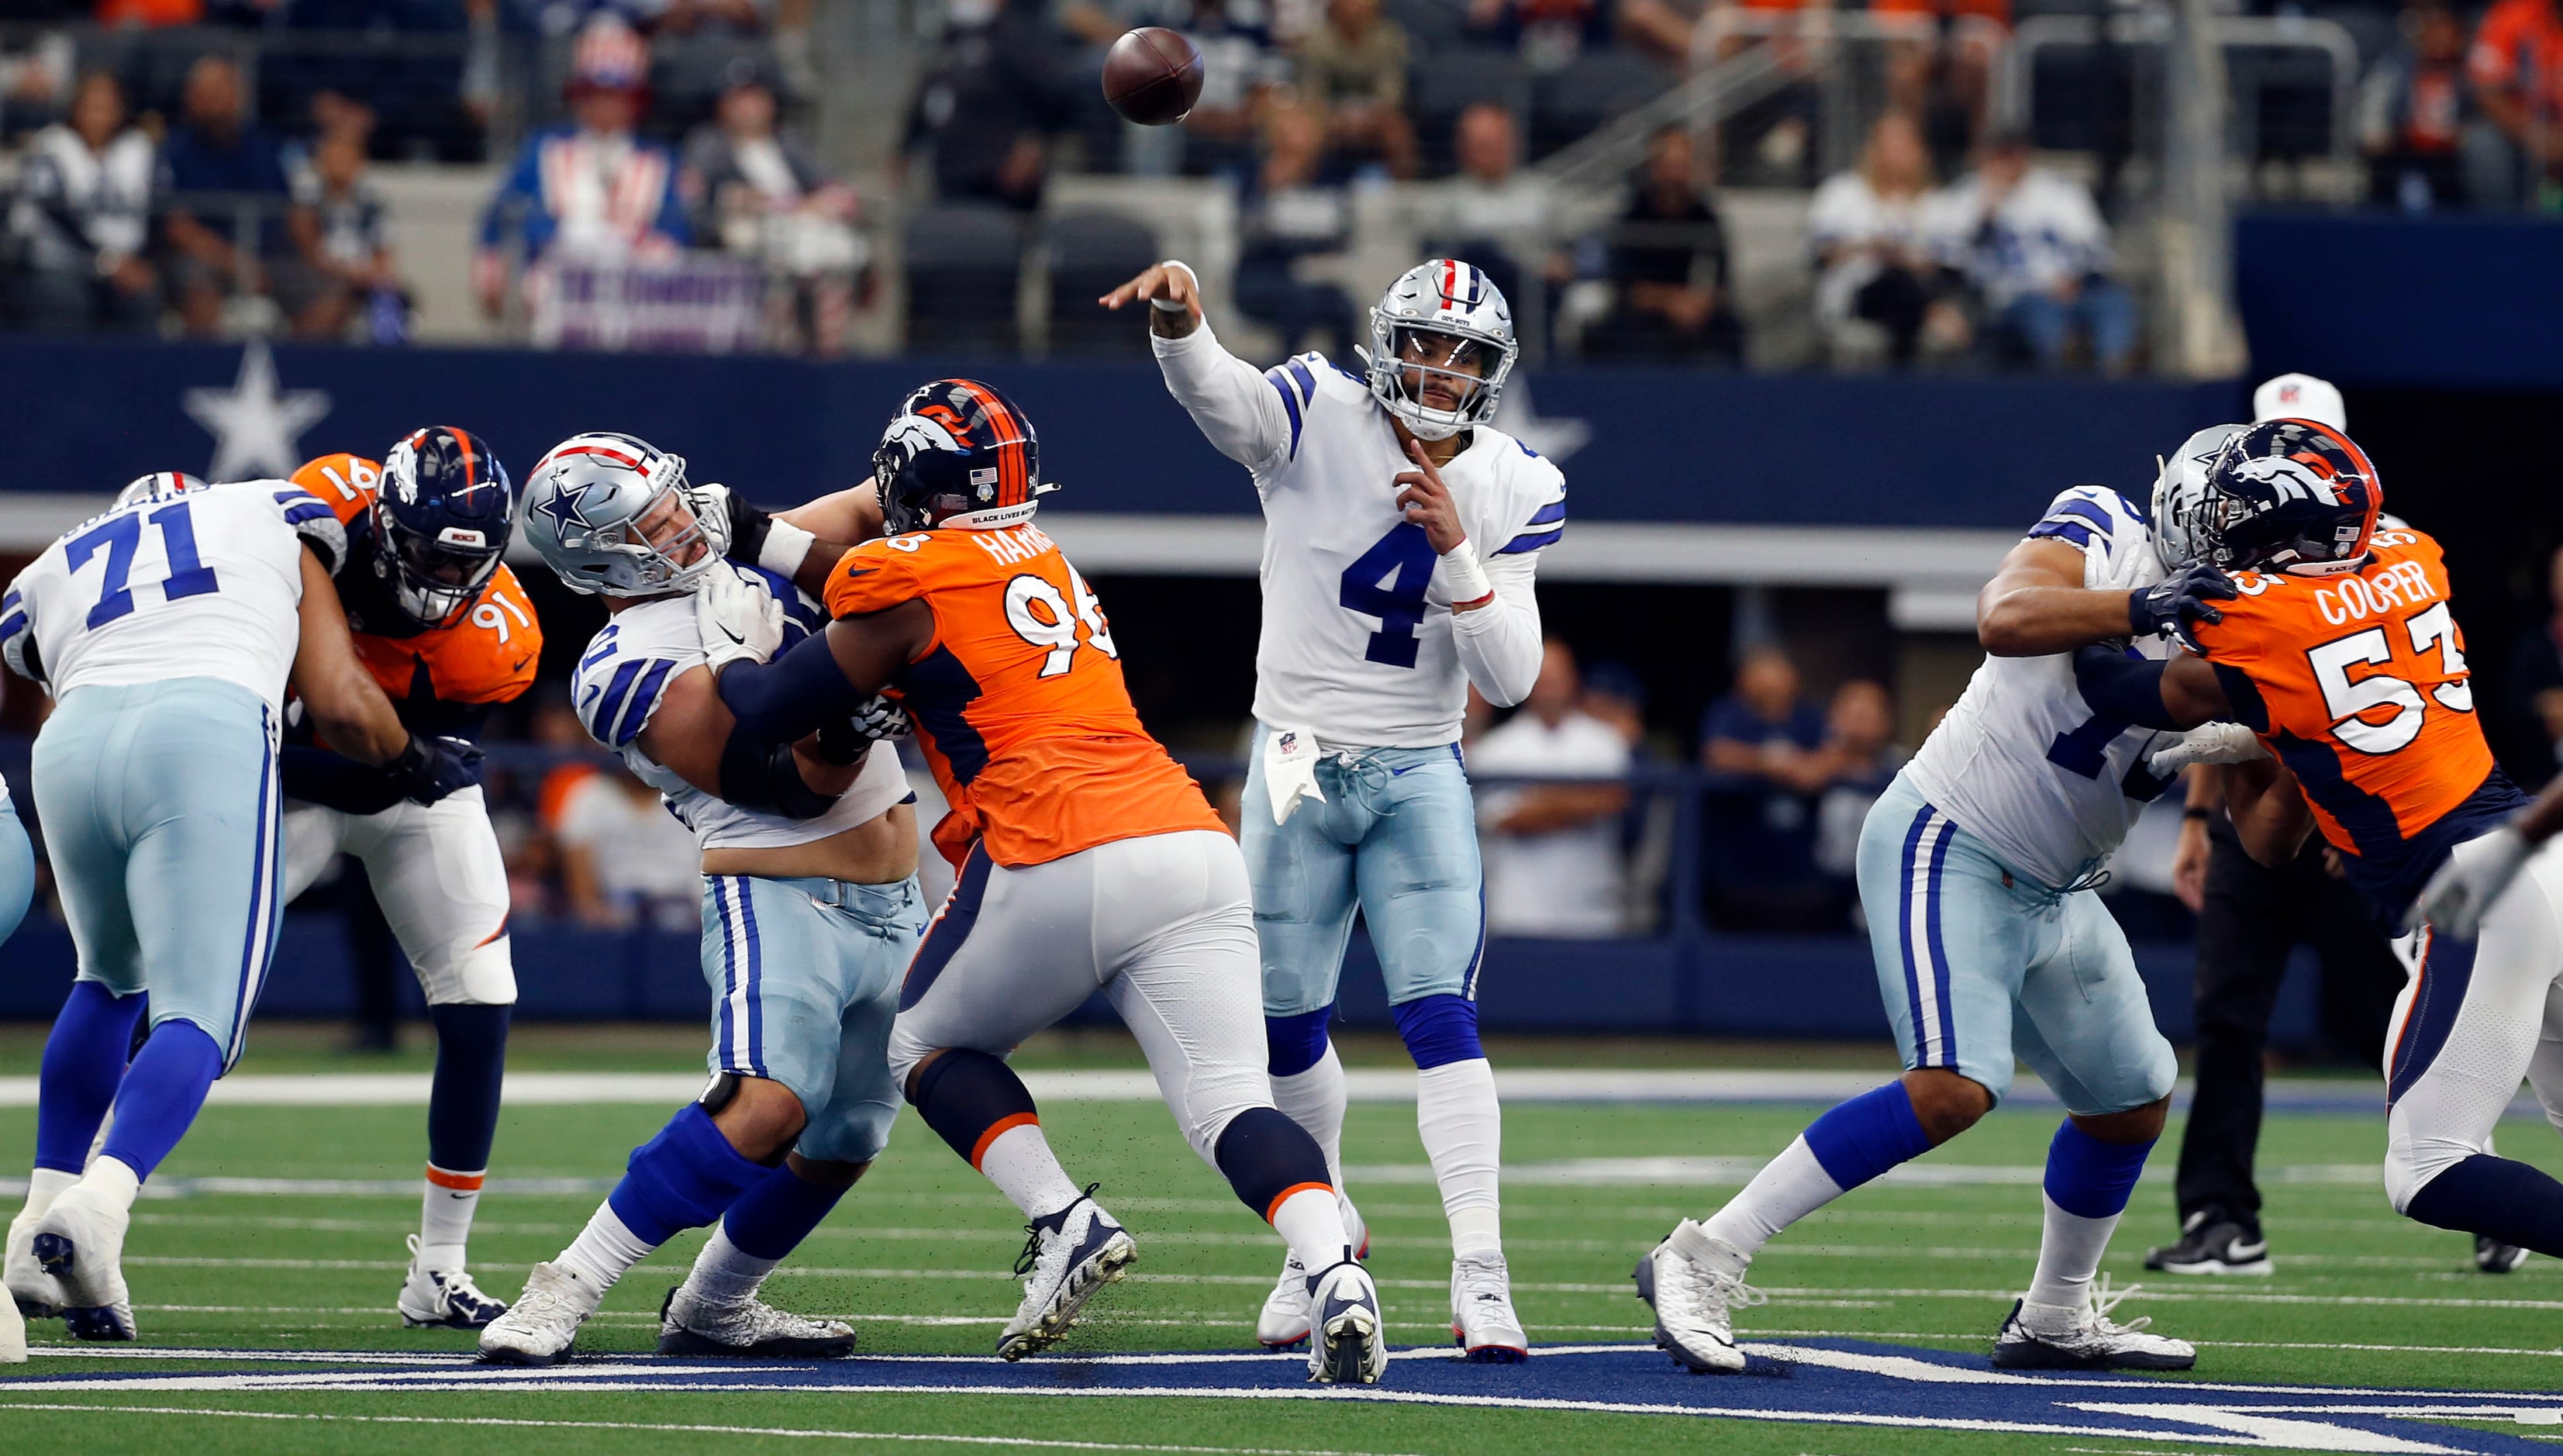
(737, 617)
(2476, 874)
(2215, 742)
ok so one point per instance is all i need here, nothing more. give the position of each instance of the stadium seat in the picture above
(1431, 26)
(687, 74)
(964, 265)
(1595, 87)
(1437, 91)
(1091, 254)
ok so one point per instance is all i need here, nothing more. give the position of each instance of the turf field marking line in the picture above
(707, 1431)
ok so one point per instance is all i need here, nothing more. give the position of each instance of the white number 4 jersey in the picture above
(208, 584)
(2022, 761)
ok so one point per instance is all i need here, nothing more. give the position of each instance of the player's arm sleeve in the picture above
(18, 637)
(1251, 416)
(318, 525)
(318, 776)
(1500, 643)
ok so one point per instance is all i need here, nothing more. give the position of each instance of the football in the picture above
(1153, 76)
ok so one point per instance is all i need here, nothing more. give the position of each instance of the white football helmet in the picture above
(1455, 299)
(161, 485)
(2180, 485)
(583, 506)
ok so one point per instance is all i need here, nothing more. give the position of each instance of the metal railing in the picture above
(2153, 29)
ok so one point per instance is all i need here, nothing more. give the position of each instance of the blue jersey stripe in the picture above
(1307, 381)
(1290, 402)
(636, 711)
(1554, 511)
(1529, 541)
(307, 510)
(2071, 531)
(2090, 510)
(600, 721)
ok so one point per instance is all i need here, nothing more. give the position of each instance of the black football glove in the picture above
(879, 719)
(747, 528)
(2179, 602)
(432, 767)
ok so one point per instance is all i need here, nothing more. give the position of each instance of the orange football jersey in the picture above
(2358, 682)
(487, 657)
(1019, 700)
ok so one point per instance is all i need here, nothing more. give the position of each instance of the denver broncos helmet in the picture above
(958, 453)
(441, 517)
(2289, 496)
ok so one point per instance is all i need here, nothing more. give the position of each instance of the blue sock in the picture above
(463, 1101)
(1439, 1030)
(771, 1219)
(162, 1092)
(684, 1178)
(1867, 1136)
(83, 1062)
(1294, 1043)
(2090, 1178)
(2497, 1197)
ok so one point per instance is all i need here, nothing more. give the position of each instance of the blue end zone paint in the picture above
(1824, 1381)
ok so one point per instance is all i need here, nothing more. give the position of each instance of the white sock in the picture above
(2069, 1254)
(1308, 1221)
(444, 1216)
(1464, 1135)
(603, 1251)
(1018, 1161)
(43, 1186)
(725, 1274)
(1788, 1188)
(112, 1183)
(1314, 1099)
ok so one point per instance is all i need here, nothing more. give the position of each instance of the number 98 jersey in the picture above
(2022, 761)
(207, 584)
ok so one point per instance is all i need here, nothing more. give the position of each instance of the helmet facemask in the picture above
(1411, 363)
(435, 581)
(666, 546)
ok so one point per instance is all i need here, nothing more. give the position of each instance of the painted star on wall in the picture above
(257, 430)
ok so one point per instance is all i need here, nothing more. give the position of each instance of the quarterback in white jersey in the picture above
(1402, 534)
(166, 630)
(811, 911)
(1977, 871)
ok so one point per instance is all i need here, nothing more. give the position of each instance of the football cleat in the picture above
(1482, 1321)
(1283, 1321)
(2085, 1338)
(2492, 1256)
(543, 1325)
(1695, 1283)
(2212, 1243)
(36, 1294)
(80, 1242)
(1069, 1256)
(1348, 1337)
(751, 1329)
(444, 1297)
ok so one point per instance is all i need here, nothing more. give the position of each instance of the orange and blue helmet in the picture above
(958, 453)
(2289, 496)
(442, 515)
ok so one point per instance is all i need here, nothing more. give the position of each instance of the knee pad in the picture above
(1294, 1043)
(1439, 1030)
(682, 1179)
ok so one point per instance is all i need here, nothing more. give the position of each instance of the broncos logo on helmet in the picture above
(958, 453)
(2289, 496)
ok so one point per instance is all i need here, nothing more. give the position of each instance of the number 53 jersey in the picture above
(1019, 700)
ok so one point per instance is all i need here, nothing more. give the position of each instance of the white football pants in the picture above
(439, 877)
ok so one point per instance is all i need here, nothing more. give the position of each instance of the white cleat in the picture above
(543, 1325)
(1695, 1283)
(2085, 1338)
(80, 1242)
(1482, 1321)
(1069, 1256)
(444, 1297)
(1283, 1321)
(751, 1330)
(33, 1293)
(1348, 1344)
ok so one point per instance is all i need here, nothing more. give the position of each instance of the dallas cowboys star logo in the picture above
(257, 430)
(566, 507)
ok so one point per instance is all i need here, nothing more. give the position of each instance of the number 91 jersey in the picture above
(2022, 761)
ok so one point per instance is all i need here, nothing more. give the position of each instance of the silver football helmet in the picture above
(2180, 485)
(161, 485)
(585, 503)
(1457, 301)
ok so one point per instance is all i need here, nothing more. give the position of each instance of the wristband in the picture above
(1465, 578)
(786, 547)
(1169, 305)
(2196, 812)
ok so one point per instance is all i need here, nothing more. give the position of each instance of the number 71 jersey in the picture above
(1017, 698)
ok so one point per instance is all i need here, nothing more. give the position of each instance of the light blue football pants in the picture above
(805, 977)
(1979, 964)
(159, 806)
(1397, 837)
(17, 867)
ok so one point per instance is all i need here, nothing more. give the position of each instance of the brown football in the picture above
(1153, 76)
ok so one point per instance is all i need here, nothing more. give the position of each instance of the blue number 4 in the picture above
(1388, 583)
(188, 573)
(2085, 751)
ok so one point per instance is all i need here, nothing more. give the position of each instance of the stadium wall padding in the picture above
(2377, 299)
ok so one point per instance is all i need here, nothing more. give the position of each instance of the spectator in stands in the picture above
(342, 256)
(1943, 77)
(761, 193)
(1762, 746)
(990, 97)
(1552, 850)
(1875, 275)
(1353, 67)
(2516, 66)
(1615, 694)
(2536, 687)
(1493, 214)
(1669, 261)
(2413, 110)
(1860, 760)
(624, 860)
(2033, 244)
(1548, 33)
(83, 215)
(228, 195)
(1240, 69)
(1291, 219)
(590, 191)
